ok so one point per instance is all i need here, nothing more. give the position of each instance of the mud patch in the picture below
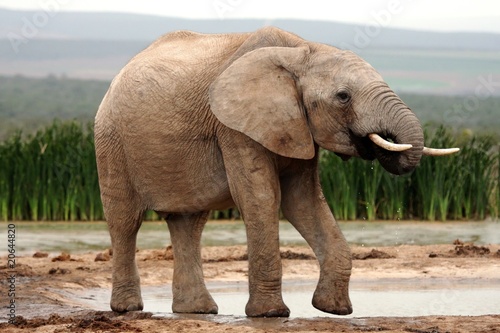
(62, 257)
(242, 257)
(467, 250)
(94, 321)
(40, 255)
(166, 254)
(292, 255)
(59, 271)
(102, 256)
(227, 256)
(373, 254)
(53, 319)
(22, 270)
(288, 254)
(434, 329)
(106, 321)
(101, 323)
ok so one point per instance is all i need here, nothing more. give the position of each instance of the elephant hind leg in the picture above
(190, 294)
(124, 219)
(126, 293)
(124, 215)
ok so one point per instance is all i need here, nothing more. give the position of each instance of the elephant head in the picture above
(288, 98)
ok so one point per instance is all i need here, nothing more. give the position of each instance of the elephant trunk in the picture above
(392, 120)
(404, 128)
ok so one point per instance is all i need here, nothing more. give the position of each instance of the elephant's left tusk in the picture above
(379, 141)
(439, 152)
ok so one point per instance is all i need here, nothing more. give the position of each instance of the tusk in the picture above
(439, 152)
(379, 141)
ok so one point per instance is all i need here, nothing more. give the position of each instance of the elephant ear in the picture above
(257, 95)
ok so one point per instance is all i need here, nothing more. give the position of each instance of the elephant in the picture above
(200, 122)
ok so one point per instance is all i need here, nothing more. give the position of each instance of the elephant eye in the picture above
(343, 96)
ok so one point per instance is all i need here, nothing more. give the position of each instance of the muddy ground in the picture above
(44, 309)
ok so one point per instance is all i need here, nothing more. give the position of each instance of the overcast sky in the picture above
(441, 15)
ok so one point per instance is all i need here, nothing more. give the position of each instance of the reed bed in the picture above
(52, 175)
(464, 186)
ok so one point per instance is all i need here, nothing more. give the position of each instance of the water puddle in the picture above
(83, 237)
(398, 298)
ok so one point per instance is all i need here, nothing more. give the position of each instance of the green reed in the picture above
(393, 196)
(371, 185)
(340, 181)
(464, 186)
(51, 175)
(435, 178)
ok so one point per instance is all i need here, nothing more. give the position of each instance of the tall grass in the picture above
(340, 186)
(434, 181)
(52, 175)
(464, 186)
(393, 197)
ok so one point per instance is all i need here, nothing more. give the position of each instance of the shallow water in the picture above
(403, 298)
(83, 237)
(381, 298)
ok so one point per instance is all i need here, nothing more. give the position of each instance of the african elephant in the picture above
(198, 122)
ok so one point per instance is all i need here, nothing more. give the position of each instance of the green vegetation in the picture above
(31, 104)
(458, 112)
(464, 186)
(51, 175)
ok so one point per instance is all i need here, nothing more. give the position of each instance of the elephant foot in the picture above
(200, 304)
(333, 300)
(128, 304)
(267, 308)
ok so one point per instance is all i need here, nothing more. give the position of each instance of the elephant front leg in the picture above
(304, 205)
(190, 294)
(254, 185)
(264, 267)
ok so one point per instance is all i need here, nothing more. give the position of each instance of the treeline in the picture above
(32, 103)
(52, 175)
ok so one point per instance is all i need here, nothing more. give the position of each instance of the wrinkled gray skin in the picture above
(200, 122)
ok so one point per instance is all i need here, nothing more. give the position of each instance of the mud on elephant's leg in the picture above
(303, 204)
(126, 293)
(190, 294)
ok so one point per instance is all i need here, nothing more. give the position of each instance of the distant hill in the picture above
(127, 27)
(97, 45)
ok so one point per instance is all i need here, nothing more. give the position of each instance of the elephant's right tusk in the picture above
(379, 141)
(439, 152)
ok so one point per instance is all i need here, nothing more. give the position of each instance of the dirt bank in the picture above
(41, 282)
